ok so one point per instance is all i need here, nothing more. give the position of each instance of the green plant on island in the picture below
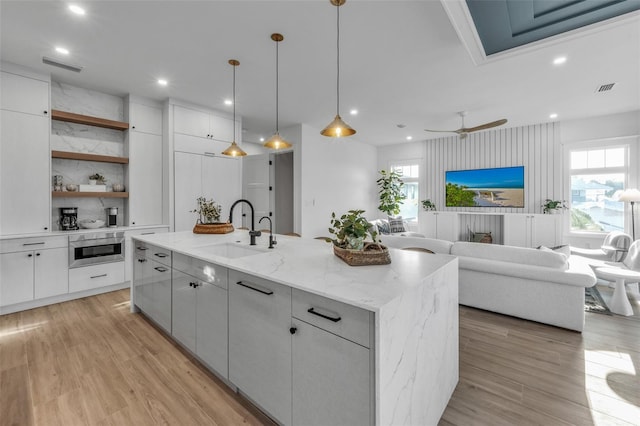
(428, 205)
(390, 192)
(551, 205)
(98, 178)
(459, 196)
(351, 230)
(208, 211)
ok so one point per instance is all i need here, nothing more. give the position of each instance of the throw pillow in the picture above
(564, 249)
(396, 224)
(383, 226)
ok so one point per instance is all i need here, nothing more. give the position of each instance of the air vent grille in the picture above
(55, 63)
(605, 87)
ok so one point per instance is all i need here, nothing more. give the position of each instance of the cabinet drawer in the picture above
(96, 276)
(159, 254)
(335, 317)
(207, 272)
(33, 243)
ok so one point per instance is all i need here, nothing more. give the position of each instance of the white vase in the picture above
(92, 181)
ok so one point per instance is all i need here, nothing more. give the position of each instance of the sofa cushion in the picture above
(511, 254)
(396, 224)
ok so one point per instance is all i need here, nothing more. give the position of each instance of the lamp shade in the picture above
(234, 150)
(276, 142)
(337, 129)
(632, 195)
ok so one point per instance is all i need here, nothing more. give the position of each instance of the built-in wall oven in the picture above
(94, 248)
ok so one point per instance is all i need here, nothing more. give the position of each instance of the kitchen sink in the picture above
(231, 250)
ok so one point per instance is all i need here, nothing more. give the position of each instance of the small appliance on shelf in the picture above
(112, 217)
(68, 218)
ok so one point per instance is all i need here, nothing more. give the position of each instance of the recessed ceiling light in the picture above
(228, 102)
(162, 82)
(353, 112)
(261, 139)
(553, 116)
(560, 60)
(76, 9)
(409, 138)
(62, 50)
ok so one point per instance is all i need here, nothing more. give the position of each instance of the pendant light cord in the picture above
(234, 103)
(277, 87)
(338, 62)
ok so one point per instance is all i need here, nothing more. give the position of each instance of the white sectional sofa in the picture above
(537, 285)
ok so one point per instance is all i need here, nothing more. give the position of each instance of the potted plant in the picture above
(350, 231)
(553, 206)
(390, 191)
(208, 221)
(97, 178)
(428, 205)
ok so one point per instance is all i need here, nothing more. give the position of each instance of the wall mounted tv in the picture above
(500, 187)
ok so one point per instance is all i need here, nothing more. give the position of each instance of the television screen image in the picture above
(500, 187)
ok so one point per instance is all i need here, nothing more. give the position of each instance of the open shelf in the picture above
(71, 117)
(77, 194)
(89, 157)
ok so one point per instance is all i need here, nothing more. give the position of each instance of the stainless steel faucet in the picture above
(252, 233)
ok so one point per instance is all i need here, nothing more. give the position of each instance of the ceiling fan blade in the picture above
(441, 131)
(486, 126)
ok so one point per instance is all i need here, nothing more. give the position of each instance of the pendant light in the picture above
(276, 141)
(338, 128)
(234, 150)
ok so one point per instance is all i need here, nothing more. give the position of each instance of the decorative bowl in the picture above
(91, 223)
(117, 187)
(72, 187)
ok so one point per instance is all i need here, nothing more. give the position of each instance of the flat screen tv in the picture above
(500, 187)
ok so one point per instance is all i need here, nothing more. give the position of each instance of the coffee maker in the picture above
(112, 217)
(68, 218)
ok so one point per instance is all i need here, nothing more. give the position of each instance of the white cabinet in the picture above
(35, 270)
(260, 342)
(145, 181)
(532, 230)
(201, 124)
(24, 94)
(95, 276)
(201, 175)
(440, 225)
(199, 310)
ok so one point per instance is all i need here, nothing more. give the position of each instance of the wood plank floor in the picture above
(90, 361)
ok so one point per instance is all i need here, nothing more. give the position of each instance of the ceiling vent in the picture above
(55, 63)
(605, 87)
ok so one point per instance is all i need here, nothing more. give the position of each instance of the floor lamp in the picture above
(632, 196)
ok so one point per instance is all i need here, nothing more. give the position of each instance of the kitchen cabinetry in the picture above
(260, 342)
(152, 283)
(207, 176)
(199, 310)
(33, 268)
(440, 225)
(532, 230)
(144, 175)
(24, 155)
(95, 276)
(201, 124)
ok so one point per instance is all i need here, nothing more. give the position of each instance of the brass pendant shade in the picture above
(338, 128)
(234, 150)
(276, 141)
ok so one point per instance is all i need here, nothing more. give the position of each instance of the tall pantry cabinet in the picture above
(24, 152)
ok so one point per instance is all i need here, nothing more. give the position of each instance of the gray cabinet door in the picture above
(331, 379)
(260, 342)
(139, 281)
(212, 342)
(183, 318)
(160, 295)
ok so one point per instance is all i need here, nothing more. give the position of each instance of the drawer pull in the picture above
(195, 284)
(267, 292)
(32, 244)
(160, 269)
(161, 255)
(98, 276)
(314, 312)
(142, 248)
(142, 260)
(147, 233)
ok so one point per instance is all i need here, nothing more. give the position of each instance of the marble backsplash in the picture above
(74, 137)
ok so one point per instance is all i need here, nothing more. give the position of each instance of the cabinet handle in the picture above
(45, 228)
(142, 260)
(98, 276)
(209, 154)
(293, 330)
(142, 248)
(146, 233)
(160, 269)
(267, 292)
(161, 255)
(195, 284)
(32, 244)
(45, 112)
(30, 255)
(37, 254)
(314, 312)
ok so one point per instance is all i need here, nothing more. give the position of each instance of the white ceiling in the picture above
(402, 62)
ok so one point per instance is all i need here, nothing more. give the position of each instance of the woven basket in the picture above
(212, 228)
(373, 254)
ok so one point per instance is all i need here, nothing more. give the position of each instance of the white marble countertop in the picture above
(310, 265)
(80, 231)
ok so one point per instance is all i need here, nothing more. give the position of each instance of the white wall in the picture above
(336, 175)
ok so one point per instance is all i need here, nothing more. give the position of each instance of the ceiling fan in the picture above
(464, 131)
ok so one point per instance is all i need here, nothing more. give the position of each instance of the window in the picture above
(597, 177)
(410, 176)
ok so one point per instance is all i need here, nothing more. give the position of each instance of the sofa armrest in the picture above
(579, 274)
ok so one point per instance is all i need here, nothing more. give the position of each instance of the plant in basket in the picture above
(208, 221)
(350, 231)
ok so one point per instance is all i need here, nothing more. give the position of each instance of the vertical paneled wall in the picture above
(536, 147)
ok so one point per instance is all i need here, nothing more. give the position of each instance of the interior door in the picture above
(255, 188)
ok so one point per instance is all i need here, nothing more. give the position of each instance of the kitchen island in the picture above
(301, 334)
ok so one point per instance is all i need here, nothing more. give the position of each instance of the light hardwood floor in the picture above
(90, 361)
